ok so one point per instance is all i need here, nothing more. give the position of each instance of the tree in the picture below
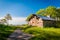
(3, 21)
(58, 17)
(58, 13)
(49, 11)
(41, 12)
(8, 17)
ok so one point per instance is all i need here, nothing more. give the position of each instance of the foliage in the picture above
(39, 33)
(49, 11)
(58, 24)
(8, 17)
(44, 33)
(58, 17)
(58, 12)
(41, 12)
(5, 31)
(5, 19)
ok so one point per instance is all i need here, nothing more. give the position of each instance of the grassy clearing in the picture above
(39, 33)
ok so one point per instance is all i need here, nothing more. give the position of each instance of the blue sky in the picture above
(22, 8)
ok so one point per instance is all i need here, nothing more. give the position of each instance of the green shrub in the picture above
(44, 33)
(58, 24)
(5, 31)
(39, 33)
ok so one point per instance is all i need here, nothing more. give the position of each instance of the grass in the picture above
(39, 33)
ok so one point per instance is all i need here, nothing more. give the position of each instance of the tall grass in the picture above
(39, 33)
(44, 33)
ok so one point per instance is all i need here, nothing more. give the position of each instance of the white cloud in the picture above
(1, 17)
(17, 20)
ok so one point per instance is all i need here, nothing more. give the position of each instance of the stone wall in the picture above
(36, 22)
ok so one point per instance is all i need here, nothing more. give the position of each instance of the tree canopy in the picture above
(50, 10)
(5, 19)
(8, 17)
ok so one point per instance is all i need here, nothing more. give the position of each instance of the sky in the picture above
(20, 9)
